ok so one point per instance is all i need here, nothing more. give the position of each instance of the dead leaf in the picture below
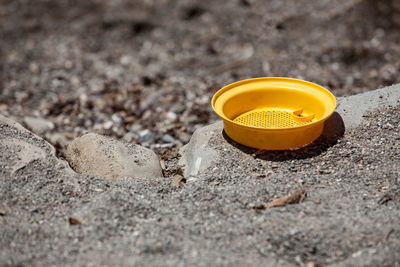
(258, 175)
(178, 180)
(297, 196)
(73, 221)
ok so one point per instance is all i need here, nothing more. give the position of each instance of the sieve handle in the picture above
(299, 117)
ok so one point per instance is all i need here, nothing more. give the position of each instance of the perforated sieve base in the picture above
(269, 118)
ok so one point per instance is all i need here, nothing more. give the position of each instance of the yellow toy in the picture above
(273, 113)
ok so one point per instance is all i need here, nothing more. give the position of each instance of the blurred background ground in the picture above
(144, 71)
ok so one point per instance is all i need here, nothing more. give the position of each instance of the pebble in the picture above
(116, 119)
(167, 139)
(38, 124)
(107, 125)
(2, 212)
(135, 127)
(128, 137)
(171, 116)
(145, 136)
(125, 60)
(147, 115)
(294, 231)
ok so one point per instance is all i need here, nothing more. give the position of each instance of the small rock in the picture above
(107, 125)
(294, 231)
(136, 127)
(38, 125)
(167, 139)
(145, 136)
(83, 99)
(171, 116)
(147, 115)
(2, 212)
(34, 67)
(178, 180)
(106, 157)
(116, 119)
(128, 137)
(125, 60)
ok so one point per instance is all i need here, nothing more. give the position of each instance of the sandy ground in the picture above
(142, 70)
(350, 216)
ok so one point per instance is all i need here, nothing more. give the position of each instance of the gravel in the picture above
(350, 216)
(119, 67)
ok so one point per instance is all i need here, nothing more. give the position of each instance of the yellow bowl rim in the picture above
(298, 81)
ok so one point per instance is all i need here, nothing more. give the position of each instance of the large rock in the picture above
(198, 155)
(106, 157)
(20, 148)
(353, 108)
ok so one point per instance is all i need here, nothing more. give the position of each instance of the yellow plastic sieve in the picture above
(273, 113)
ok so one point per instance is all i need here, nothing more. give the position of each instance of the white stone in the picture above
(197, 156)
(171, 116)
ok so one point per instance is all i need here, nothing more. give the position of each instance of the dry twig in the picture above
(297, 196)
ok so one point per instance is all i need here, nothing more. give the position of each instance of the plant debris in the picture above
(74, 221)
(297, 196)
(178, 180)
